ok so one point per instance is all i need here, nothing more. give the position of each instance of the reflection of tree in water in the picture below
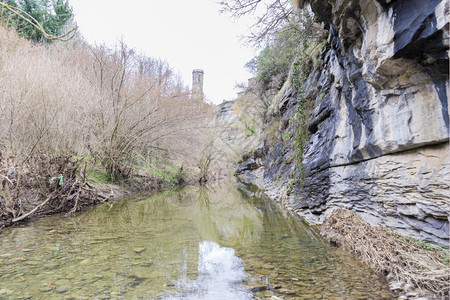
(200, 196)
(185, 198)
(127, 212)
(208, 227)
(203, 197)
(207, 194)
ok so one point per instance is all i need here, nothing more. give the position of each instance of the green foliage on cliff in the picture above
(294, 42)
(286, 47)
(301, 70)
(274, 61)
(304, 62)
(249, 130)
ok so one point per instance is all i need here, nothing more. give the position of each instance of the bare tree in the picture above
(271, 16)
(143, 108)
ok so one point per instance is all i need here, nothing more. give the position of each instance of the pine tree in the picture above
(51, 14)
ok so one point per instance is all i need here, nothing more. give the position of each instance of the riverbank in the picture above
(414, 269)
(41, 185)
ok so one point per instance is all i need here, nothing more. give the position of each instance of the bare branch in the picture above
(272, 15)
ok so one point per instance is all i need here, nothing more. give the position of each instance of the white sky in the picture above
(187, 34)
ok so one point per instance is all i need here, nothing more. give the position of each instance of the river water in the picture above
(189, 243)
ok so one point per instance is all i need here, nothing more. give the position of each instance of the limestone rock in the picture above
(379, 132)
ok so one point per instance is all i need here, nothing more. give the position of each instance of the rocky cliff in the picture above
(379, 130)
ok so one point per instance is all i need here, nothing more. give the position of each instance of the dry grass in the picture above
(388, 253)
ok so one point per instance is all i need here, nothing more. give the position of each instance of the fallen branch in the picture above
(32, 211)
(9, 180)
(75, 206)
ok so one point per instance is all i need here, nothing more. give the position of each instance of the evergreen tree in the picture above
(51, 14)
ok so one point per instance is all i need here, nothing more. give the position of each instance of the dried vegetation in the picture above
(43, 185)
(68, 106)
(388, 253)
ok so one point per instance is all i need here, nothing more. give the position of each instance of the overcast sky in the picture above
(187, 34)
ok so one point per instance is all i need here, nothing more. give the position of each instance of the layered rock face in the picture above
(379, 132)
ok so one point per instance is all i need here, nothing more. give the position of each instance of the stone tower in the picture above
(197, 83)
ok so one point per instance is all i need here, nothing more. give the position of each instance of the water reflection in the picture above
(186, 243)
(220, 272)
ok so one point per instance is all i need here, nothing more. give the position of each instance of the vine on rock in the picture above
(301, 71)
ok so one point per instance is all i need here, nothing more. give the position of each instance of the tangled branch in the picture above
(43, 185)
(271, 16)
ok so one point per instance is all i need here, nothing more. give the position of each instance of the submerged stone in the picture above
(45, 289)
(63, 288)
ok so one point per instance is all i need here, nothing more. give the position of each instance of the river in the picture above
(186, 243)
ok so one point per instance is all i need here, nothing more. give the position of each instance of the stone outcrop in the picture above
(379, 131)
(251, 171)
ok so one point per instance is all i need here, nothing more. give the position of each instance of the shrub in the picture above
(113, 104)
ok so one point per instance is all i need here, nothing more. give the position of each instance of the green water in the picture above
(193, 243)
